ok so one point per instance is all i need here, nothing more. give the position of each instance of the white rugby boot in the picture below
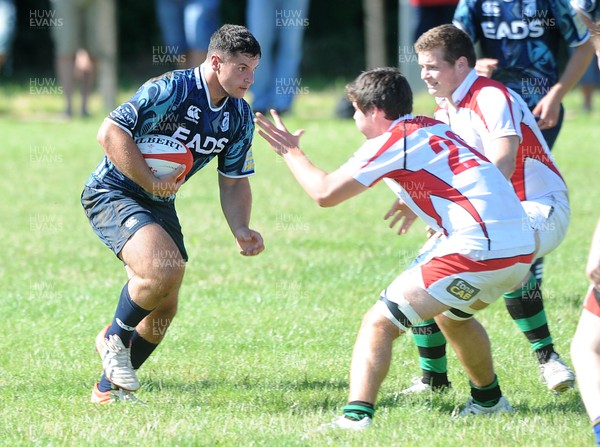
(116, 361)
(557, 376)
(471, 408)
(114, 395)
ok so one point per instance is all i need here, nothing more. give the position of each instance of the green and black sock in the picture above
(431, 344)
(526, 307)
(357, 410)
(486, 396)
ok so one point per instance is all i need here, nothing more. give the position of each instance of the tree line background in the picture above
(333, 42)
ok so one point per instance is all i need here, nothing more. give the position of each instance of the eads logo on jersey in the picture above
(462, 290)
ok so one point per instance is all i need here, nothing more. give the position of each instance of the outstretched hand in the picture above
(400, 211)
(279, 138)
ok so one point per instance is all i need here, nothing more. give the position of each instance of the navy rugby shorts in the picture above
(115, 216)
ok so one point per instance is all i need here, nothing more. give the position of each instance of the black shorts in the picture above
(115, 216)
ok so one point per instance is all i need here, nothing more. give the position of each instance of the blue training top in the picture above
(178, 104)
(524, 35)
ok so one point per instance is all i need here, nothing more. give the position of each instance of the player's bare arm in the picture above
(548, 109)
(503, 153)
(236, 203)
(326, 189)
(125, 155)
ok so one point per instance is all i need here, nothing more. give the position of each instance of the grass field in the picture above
(259, 352)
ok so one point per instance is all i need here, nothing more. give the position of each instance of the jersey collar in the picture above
(461, 91)
(202, 85)
(408, 116)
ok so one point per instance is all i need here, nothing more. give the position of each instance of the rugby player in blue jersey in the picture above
(133, 212)
(519, 41)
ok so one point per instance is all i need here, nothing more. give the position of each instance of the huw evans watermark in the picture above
(167, 55)
(44, 18)
(290, 18)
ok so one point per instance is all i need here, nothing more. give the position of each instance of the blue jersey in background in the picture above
(524, 35)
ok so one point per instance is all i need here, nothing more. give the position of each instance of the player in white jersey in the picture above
(486, 247)
(496, 121)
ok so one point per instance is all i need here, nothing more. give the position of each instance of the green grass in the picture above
(259, 352)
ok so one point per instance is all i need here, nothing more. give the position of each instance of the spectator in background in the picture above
(279, 27)
(85, 43)
(8, 17)
(431, 13)
(186, 27)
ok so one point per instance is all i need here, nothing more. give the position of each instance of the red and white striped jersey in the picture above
(487, 110)
(451, 186)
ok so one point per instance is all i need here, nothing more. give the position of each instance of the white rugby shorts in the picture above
(549, 216)
(461, 280)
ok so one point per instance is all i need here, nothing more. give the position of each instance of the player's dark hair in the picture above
(384, 88)
(233, 39)
(452, 40)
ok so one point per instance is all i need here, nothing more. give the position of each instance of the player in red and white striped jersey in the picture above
(487, 247)
(496, 121)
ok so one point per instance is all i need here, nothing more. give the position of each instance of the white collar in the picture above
(408, 116)
(202, 85)
(461, 91)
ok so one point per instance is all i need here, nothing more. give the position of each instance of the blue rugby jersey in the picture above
(177, 104)
(524, 35)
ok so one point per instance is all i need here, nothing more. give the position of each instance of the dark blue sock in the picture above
(127, 317)
(104, 384)
(140, 350)
(597, 430)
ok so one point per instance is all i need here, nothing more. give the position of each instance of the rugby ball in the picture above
(163, 154)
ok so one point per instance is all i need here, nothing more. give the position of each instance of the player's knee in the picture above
(374, 320)
(449, 324)
(399, 312)
(161, 283)
(166, 274)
